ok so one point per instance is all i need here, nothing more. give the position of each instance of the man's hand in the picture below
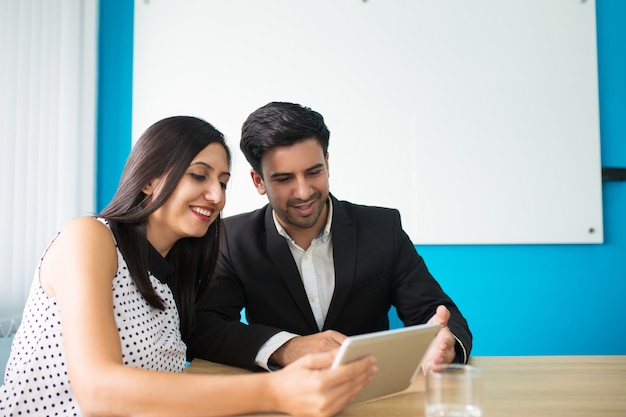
(302, 345)
(442, 348)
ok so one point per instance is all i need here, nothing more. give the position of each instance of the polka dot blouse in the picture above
(36, 379)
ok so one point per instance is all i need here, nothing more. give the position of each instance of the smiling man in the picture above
(310, 269)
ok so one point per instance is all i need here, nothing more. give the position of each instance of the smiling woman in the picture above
(114, 297)
(137, 245)
(195, 203)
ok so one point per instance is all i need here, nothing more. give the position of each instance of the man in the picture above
(310, 269)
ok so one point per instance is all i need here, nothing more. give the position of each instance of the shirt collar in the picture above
(324, 234)
(158, 266)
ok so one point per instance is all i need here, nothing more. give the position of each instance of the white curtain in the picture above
(48, 50)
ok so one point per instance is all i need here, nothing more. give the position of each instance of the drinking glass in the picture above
(453, 390)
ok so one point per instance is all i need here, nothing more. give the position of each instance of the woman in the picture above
(101, 333)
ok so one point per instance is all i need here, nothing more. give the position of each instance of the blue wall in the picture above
(115, 95)
(519, 299)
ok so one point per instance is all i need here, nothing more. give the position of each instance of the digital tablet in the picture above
(398, 356)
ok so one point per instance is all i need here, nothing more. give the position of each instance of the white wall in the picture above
(478, 120)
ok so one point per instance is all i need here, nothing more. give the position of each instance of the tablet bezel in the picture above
(398, 353)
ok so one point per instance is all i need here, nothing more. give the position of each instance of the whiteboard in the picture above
(478, 120)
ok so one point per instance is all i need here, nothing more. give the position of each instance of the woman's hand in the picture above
(308, 387)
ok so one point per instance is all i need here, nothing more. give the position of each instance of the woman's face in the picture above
(195, 203)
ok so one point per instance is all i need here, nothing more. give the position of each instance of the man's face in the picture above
(295, 179)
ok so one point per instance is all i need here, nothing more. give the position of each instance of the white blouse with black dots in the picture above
(36, 382)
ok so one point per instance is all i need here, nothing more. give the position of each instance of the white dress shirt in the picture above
(317, 270)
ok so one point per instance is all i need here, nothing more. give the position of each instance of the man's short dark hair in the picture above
(280, 124)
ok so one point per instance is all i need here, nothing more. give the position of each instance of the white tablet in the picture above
(398, 356)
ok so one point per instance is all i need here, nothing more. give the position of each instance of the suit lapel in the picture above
(344, 238)
(279, 253)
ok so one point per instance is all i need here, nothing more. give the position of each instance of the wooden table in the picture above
(513, 386)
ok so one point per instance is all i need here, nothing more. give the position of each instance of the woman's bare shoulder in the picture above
(84, 245)
(85, 229)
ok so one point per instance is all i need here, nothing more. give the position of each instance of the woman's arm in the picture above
(78, 269)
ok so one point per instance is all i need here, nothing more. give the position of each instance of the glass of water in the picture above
(453, 390)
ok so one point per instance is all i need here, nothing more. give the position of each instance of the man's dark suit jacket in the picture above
(376, 266)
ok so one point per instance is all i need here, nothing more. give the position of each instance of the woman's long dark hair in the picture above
(166, 148)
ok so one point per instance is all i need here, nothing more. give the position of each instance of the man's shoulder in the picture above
(248, 219)
(352, 209)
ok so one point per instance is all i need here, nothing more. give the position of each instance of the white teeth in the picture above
(202, 211)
